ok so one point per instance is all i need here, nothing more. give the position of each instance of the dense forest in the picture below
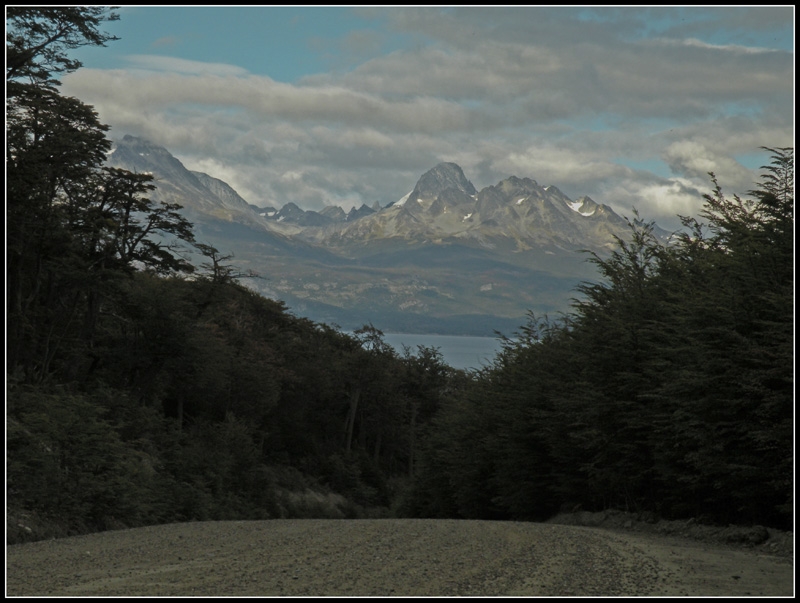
(143, 389)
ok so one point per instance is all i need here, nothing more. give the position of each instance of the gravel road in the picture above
(387, 557)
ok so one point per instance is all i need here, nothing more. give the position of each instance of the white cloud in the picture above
(695, 160)
(539, 93)
(265, 98)
(557, 167)
(151, 62)
(694, 42)
(662, 200)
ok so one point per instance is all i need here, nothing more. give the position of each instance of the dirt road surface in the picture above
(388, 557)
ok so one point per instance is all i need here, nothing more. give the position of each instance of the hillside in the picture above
(446, 258)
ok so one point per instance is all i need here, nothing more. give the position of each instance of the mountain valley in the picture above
(445, 258)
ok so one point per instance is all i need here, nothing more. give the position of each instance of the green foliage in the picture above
(38, 38)
(669, 389)
(67, 462)
(74, 228)
(197, 392)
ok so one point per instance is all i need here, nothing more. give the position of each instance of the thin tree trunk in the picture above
(351, 417)
(412, 440)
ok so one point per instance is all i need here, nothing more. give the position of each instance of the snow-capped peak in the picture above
(404, 199)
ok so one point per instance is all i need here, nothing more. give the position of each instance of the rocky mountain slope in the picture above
(445, 258)
(516, 215)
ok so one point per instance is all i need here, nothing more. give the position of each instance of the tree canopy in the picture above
(38, 39)
(668, 389)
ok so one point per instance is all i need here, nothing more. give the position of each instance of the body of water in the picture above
(460, 352)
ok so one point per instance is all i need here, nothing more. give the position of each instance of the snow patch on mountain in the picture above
(403, 200)
(577, 205)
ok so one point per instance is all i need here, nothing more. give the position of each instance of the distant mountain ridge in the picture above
(515, 215)
(444, 206)
(444, 250)
(200, 194)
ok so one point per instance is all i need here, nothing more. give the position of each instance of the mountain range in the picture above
(445, 258)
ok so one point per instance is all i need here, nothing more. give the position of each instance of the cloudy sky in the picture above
(342, 106)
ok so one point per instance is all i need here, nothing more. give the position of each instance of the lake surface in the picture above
(460, 352)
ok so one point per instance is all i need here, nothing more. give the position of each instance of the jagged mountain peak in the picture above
(476, 239)
(519, 183)
(172, 178)
(198, 193)
(291, 208)
(144, 156)
(437, 180)
(514, 187)
(585, 206)
(444, 208)
(334, 213)
(356, 213)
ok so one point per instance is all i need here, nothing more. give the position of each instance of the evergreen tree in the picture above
(73, 227)
(669, 389)
(38, 39)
